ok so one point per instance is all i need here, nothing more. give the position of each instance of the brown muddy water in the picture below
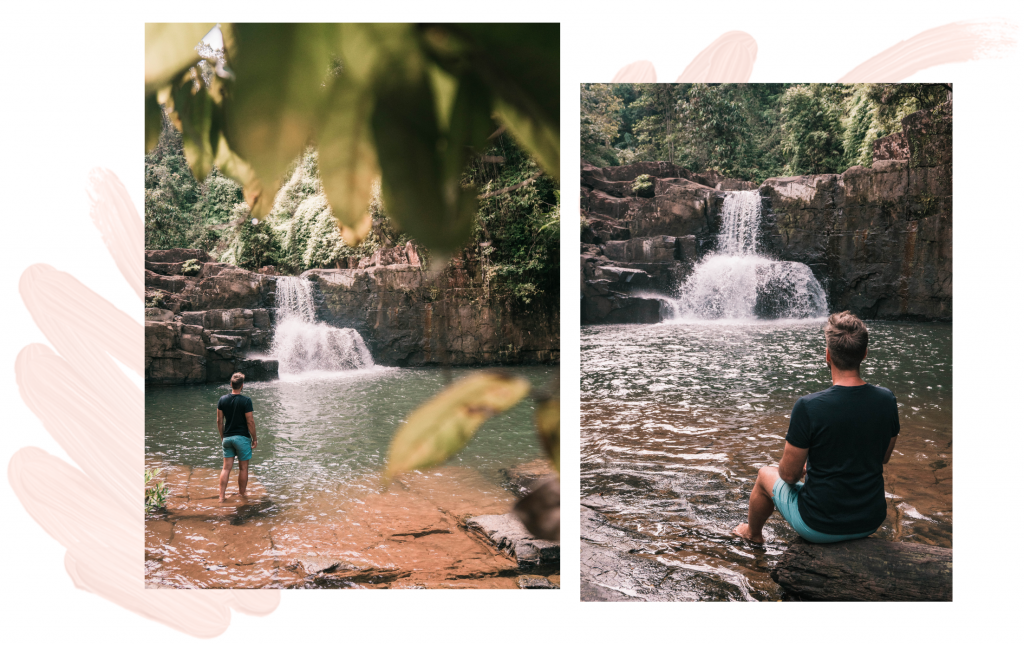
(316, 494)
(677, 418)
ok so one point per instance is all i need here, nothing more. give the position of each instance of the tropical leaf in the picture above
(170, 50)
(348, 159)
(192, 109)
(444, 425)
(547, 417)
(539, 138)
(280, 88)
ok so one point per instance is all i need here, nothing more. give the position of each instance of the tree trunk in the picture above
(867, 569)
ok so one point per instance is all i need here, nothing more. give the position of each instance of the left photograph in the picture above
(352, 306)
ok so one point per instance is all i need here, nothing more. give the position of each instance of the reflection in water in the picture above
(677, 418)
(323, 440)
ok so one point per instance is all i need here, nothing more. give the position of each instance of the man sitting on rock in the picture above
(237, 434)
(839, 438)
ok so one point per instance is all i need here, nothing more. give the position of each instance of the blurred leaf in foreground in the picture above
(548, 429)
(444, 425)
(170, 50)
(540, 512)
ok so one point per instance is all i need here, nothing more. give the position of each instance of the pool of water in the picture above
(327, 432)
(676, 419)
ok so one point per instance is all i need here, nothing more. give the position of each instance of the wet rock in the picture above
(508, 534)
(522, 479)
(193, 344)
(534, 582)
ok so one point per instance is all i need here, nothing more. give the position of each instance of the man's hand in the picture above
(254, 442)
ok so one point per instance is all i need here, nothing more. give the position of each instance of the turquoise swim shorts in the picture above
(237, 446)
(785, 498)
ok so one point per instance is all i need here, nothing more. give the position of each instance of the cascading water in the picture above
(303, 345)
(737, 283)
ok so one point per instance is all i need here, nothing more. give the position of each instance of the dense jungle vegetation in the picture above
(515, 233)
(746, 131)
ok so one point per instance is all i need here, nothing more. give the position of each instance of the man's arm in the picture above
(220, 423)
(793, 464)
(249, 421)
(888, 451)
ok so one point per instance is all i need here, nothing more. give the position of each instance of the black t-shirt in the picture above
(234, 407)
(846, 431)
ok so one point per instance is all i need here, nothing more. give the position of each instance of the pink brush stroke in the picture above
(730, 59)
(96, 511)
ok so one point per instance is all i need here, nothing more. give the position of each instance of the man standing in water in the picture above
(237, 434)
(839, 438)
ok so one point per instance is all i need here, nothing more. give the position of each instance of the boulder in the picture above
(508, 534)
(535, 582)
(161, 337)
(159, 315)
(868, 569)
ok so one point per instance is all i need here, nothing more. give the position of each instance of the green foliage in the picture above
(156, 302)
(191, 267)
(599, 122)
(747, 131)
(156, 495)
(643, 186)
(812, 130)
(411, 103)
(517, 231)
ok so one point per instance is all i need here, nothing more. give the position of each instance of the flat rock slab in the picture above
(868, 569)
(535, 582)
(508, 534)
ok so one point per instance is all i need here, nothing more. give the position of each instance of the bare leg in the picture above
(761, 505)
(243, 478)
(225, 473)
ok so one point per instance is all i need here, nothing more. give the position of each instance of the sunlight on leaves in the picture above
(170, 50)
(444, 425)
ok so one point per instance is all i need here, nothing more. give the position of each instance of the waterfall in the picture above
(303, 345)
(735, 282)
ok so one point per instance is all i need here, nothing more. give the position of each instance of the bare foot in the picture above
(743, 530)
(221, 500)
(245, 500)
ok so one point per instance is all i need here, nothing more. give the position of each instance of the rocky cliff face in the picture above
(879, 239)
(412, 317)
(206, 326)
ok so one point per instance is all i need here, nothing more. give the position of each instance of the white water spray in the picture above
(737, 283)
(303, 345)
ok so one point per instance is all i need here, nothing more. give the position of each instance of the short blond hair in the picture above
(846, 337)
(237, 379)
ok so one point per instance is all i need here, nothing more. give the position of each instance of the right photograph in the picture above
(766, 289)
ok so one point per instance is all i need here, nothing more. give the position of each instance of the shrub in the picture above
(156, 495)
(191, 267)
(643, 186)
(156, 302)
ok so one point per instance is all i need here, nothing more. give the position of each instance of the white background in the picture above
(72, 100)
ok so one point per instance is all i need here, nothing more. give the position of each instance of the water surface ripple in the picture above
(677, 418)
